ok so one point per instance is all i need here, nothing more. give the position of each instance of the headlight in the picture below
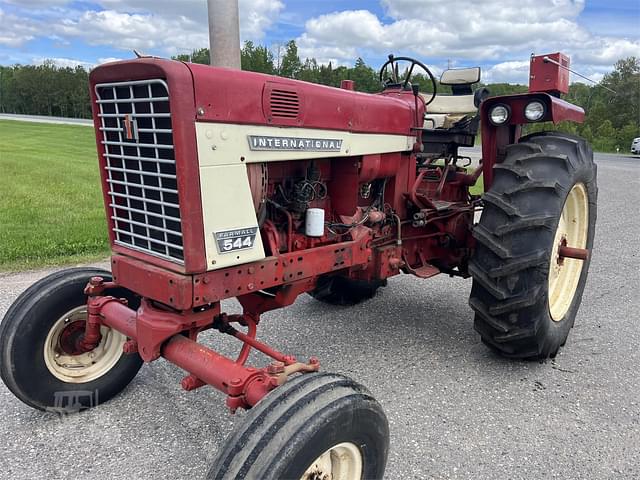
(534, 111)
(499, 114)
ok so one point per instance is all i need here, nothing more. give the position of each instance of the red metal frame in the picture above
(156, 331)
(422, 226)
(549, 76)
(495, 138)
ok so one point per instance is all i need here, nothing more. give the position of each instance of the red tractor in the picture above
(224, 184)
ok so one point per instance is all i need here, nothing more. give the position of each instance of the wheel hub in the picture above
(71, 336)
(569, 252)
(65, 358)
(341, 462)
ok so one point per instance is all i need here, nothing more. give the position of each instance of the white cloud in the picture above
(62, 62)
(132, 31)
(502, 31)
(166, 27)
(507, 72)
(458, 11)
(488, 32)
(108, 60)
(37, 3)
(256, 16)
(15, 31)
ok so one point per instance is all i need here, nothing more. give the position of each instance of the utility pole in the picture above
(224, 33)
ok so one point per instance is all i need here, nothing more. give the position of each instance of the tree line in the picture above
(45, 90)
(612, 120)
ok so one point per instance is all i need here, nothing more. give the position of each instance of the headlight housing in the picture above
(500, 114)
(535, 111)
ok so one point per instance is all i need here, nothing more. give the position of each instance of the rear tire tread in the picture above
(510, 265)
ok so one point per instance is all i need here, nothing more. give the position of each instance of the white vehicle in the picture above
(635, 146)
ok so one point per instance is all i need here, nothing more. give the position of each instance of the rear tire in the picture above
(520, 310)
(337, 290)
(293, 431)
(30, 337)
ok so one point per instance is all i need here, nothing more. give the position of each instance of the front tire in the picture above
(317, 425)
(37, 334)
(525, 296)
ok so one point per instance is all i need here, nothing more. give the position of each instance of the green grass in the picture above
(51, 209)
(478, 188)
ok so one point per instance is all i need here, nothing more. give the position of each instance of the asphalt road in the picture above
(455, 409)
(46, 119)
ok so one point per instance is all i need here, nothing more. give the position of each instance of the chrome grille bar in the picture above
(139, 115)
(138, 185)
(142, 159)
(147, 200)
(140, 145)
(138, 100)
(140, 165)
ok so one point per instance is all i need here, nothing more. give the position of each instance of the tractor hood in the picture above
(240, 97)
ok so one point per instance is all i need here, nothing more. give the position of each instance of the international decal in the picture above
(293, 144)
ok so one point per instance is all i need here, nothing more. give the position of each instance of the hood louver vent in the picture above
(284, 104)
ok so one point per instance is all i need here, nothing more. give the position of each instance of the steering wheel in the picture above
(395, 77)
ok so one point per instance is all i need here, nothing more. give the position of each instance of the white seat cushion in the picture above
(456, 104)
(434, 121)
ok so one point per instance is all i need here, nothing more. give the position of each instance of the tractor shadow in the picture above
(410, 323)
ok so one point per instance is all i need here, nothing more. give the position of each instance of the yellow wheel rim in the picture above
(341, 462)
(572, 231)
(87, 366)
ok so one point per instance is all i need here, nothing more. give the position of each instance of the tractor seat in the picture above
(447, 110)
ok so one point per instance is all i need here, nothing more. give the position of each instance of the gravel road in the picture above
(455, 409)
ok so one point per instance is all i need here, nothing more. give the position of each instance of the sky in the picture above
(498, 35)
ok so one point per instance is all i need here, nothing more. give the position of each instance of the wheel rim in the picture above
(75, 367)
(341, 462)
(564, 273)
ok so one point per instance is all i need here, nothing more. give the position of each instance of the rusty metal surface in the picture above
(570, 252)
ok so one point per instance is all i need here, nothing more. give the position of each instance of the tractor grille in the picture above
(141, 167)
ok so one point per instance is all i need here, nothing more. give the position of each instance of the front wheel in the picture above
(526, 292)
(315, 426)
(42, 364)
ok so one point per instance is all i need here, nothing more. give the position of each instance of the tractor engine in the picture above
(210, 169)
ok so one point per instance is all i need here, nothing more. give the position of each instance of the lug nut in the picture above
(275, 368)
